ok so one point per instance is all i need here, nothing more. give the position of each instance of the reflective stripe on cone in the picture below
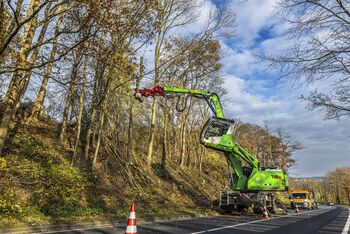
(131, 227)
(265, 214)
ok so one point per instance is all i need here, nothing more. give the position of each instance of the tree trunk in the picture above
(33, 57)
(203, 151)
(80, 112)
(6, 28)
(131, 114)
(185, 116)
(98, 138)
(2, 19)
(188, 152)
(165, 135)
(154, 105)
(88, 132)
(152, 132)
(201, 160)
(337, 196)
(17, 13)
(192, 146)
(169, 142)
(36, 51)
(174, 135)
(38, 105)
(347, 192)
(183, 139)
(103, 108)
(70, 92)
(129, 151)
(26, 42)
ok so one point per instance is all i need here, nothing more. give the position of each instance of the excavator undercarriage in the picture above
(235, 201)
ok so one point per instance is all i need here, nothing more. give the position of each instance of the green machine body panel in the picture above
(268, 180)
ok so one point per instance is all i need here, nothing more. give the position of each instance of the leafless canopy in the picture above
(319, 51)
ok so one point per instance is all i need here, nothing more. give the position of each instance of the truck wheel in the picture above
(215, 204)
(242, 208)
(271, 210)
(257, 210)
(227, 209)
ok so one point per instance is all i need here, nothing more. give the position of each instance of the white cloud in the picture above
(240, 102)
(252, 16)
(239, 61)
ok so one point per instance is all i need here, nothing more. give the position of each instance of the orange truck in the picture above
(303, 198)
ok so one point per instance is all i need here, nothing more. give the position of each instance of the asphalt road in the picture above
(324, 220)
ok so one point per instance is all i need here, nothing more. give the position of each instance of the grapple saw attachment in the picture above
(156, 91)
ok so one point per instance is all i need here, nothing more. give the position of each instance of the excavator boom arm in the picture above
(211, 98)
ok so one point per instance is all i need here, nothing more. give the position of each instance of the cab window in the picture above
(216, 129)
(299, 195)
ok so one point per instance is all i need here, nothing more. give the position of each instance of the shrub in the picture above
(9, 202)
(63, 192)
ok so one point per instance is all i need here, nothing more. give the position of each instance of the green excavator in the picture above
(251, 185)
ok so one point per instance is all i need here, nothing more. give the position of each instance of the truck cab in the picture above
(303, 198)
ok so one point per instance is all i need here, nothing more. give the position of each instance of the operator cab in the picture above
(214, 130)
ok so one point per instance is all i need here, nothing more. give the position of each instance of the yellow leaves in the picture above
(2, 162)
(9, 202)
(214, 158)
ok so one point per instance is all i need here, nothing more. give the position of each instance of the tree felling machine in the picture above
(250, 184)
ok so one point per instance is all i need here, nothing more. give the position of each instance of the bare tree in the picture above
(14, 90)
(38, 105)
(81, 108)
(170, 15)
(319, 51)
(173, 14)
(270, 149)
(11, 12)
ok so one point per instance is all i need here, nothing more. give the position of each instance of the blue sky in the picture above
(256, 94)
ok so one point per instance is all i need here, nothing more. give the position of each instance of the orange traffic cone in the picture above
(131, 228)
(296, 208)
(265, 213)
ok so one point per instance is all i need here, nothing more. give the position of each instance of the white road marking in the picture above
(347, 225)
(255, 221)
